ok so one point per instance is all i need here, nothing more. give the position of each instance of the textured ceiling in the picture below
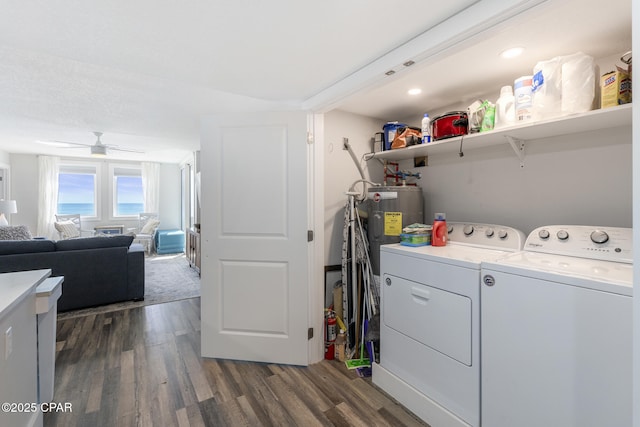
(145, 72)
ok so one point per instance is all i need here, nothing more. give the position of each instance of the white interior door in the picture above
(255, 281)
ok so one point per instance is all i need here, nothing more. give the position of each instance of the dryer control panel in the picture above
(491, 236)
(603, 243)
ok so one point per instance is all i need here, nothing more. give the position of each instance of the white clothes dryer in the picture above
(557, 330)
(430, 322)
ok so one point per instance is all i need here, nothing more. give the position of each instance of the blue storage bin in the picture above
(389, 131)
(169, 241)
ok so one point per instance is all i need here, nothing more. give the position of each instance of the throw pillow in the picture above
(17, 232)
(151, 225)
(3, 220)
(67, 228)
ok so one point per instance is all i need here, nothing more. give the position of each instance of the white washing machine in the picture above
(430, 314)
(557, 330)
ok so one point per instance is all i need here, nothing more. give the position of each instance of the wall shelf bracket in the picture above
(518, 147)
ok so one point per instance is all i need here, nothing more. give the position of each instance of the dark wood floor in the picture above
(142, 367)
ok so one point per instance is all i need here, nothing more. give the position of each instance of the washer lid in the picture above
(455, 254)
(607, 276)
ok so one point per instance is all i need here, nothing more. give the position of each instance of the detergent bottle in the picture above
(439, 232)
(505, 108)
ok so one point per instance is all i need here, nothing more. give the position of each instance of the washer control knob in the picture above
(543, 234)
(488, 280)
(387, 281)
(468, 230)
(562, 234)
(489, 232)
(503, 234)
(450, 229)
(599, 236)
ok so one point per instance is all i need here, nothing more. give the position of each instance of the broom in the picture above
(362, 362)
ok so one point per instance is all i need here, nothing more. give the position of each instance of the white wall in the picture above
(170, 200)
(24, 189)
(4, 158)
(580, 179)
(340, 171)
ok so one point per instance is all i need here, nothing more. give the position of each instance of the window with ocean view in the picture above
(77, 192)
(101, 191)
(128, 195)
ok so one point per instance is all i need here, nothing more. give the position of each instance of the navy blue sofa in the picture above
(96, 270)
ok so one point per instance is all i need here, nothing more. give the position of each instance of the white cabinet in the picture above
(19, 346)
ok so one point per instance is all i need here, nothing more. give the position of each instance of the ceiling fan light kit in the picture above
(98, 150)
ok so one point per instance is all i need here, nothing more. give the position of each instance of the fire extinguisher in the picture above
(330, 334)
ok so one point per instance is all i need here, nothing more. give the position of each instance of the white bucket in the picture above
(547, 89)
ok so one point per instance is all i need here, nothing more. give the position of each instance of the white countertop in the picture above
(14, 287)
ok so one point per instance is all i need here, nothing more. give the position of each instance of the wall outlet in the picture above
(8, 342)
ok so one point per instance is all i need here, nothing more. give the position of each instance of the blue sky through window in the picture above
(129, 189)
(76, 194)
(76, 188)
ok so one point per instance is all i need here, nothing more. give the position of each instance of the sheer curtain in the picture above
(47, 195)
(151, 186)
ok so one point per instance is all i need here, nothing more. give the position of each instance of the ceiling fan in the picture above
(98, 148)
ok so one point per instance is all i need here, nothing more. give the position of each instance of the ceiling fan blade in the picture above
(97, 148)
(129, 150)
(63, 144)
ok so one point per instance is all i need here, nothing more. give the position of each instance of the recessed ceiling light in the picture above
(512, 52)
(414, 91)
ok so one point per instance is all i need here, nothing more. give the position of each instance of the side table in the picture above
(109, 229)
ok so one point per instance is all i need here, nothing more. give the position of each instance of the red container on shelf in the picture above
(449, 125)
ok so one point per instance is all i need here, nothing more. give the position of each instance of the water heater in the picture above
(390, 208)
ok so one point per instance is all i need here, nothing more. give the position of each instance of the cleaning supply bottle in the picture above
(439, 231)
(505, 108)
(426, 129)
(523, 95)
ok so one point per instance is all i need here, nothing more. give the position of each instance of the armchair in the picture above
(69, 226)
(148, 223)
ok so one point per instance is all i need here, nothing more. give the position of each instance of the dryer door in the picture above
(436, 318)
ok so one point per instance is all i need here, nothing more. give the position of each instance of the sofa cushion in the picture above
(94, 242)
(16, 232)
(10, 247)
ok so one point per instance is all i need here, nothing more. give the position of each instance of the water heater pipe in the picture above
(347, 146)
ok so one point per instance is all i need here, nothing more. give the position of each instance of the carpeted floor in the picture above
(167, 278)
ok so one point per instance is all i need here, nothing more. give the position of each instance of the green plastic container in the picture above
(415, 239)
